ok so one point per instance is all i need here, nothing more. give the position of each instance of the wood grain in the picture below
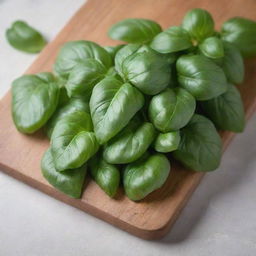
(20, 154)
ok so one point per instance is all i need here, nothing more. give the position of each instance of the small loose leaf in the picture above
(134, 30)
(34, 99)
(173, 39)
(69, 182)
(145, 175)
(227, 110)
(106, 175)
(73, 142)
(200, 145)
(112, 106)
(25, 38)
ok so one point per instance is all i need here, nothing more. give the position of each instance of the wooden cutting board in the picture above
(20, 154)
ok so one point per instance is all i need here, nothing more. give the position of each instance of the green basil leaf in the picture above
(112, 50)
(130, 144)
(75, 52)
(73, 105)
(212, 47)
(25, 38)
(233, 64)
(112, 106)
(73, 141)
(84, 76)
(127, 51)
(34, 99)
(226, 111)
(134, 30)
(200, 145)
(171, 109)
(167, 142)
(201, 76)
(171, 40)
(148, 71)
(106, 175)
(69, 182)
(199, 23)
(145, 175)
(241, 32)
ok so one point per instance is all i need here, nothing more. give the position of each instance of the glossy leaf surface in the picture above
(73, 142)
(112, 106)
(199, 23)
(171, 109)
(171, 40)
(75, 52)
(145, 175)
(34, 99)
(134, 30)
(201, 77)
(130, 144)
(84, 76)
(212, 47)
(167, 142)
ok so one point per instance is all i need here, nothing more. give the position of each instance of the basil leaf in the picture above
(75, 52)
(145, 175)
(112, 106)
(106, 175)
(201, 77)
(69, 182)
(127, 51)
(148, 71)
(199, 23)
(73, 105)
(226, 111)
(134, 30)
(171, 109)
(212, 47)
(25, 38)
(167, 142)
(233, 64)
(34, 99)
(73, 141)
(200, 145)
(241, 32)
(84, 76)
(171, 40)
(130, 144)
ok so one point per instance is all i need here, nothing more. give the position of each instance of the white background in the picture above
(219, 220)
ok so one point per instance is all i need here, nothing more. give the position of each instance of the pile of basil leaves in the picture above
(117, 111)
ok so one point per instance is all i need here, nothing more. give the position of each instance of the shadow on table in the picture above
(232, 173)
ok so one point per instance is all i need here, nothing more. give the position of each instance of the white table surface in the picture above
(219, 220)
